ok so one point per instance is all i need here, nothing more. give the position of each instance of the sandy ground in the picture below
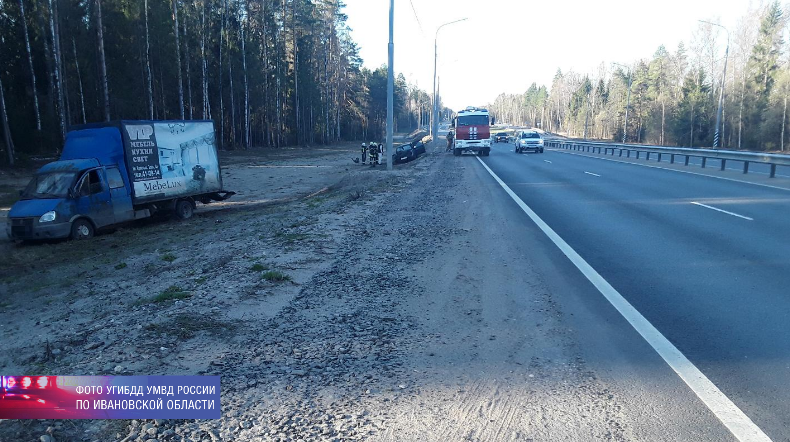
(401, 317)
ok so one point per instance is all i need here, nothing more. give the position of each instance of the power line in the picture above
(417, 18)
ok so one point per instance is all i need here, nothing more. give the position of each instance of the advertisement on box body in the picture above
(172, 158)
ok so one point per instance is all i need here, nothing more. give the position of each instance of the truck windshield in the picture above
(49, 185)
(473, 120)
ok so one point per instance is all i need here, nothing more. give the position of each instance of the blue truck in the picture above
(112, 173)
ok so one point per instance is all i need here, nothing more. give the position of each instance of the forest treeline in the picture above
(268, 72)
(675, 94)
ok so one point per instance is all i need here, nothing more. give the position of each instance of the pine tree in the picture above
(102, 61)
(9, 142)
(763, 65)
(34, 89)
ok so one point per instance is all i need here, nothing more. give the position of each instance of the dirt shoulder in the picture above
(356, 304)
(164, 297)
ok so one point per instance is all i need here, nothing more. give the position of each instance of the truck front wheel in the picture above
(457, 152)
(184, 209)
(82, 229)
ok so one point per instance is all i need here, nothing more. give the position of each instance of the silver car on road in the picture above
(526, 140)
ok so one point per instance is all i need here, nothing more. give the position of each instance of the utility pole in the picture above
(438, 93)
(716, 137)
(627, 101)
(390, 87)
(434, 114)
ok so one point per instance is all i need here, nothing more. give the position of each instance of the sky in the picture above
(506, 45)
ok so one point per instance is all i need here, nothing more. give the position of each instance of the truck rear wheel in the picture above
(457, 152)
(82, 229)
(184, 209)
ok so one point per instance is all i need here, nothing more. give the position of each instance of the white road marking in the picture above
(547, 161)
(722, 210)
(673, 170)
(725, 410)
(593, 174)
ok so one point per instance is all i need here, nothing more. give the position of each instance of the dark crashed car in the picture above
(403, 154)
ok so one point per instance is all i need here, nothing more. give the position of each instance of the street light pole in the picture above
(716, 138)
(434, 114)
(627, 101)
(390, 87)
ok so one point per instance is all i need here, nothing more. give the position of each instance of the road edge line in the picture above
(739, 424)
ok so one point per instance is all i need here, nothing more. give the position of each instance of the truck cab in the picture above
(73, 197)
(472, 128)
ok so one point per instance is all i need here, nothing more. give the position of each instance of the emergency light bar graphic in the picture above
(109, 397)
(20, 383)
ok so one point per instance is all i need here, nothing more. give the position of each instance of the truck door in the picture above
(93, 198)
(121, 197)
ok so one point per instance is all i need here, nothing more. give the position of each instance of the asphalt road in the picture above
(704, 260)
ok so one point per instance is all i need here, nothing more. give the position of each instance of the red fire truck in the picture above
(472, 132)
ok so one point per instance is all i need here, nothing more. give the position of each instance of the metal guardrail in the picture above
(746, 158)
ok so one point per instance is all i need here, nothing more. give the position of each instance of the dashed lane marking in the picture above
(722, 211)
